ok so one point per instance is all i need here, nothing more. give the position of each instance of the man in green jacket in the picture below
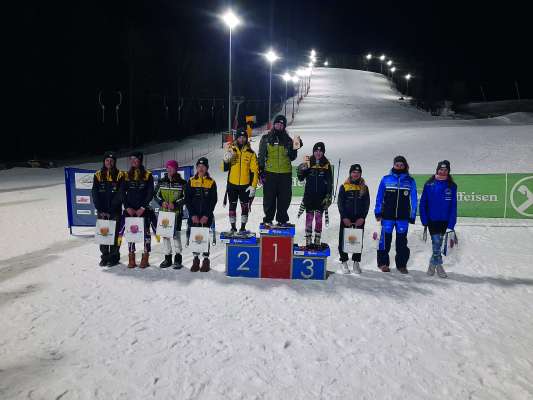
(276, 152)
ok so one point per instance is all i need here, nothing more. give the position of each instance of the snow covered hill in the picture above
(73, 330)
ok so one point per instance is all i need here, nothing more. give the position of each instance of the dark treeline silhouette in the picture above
(166, 63)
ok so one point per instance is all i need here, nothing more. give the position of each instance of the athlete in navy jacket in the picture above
(396, 202)
(438, 211)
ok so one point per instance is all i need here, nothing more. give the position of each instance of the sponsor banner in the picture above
(78, 186)
(491, 195)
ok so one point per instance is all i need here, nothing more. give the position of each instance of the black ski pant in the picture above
(277, 194)
(238, 193)
(402, 251)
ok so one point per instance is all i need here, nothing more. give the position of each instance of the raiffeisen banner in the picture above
(491, 195)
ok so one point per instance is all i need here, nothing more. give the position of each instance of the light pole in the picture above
(407, 78)
(389, 64)
(368, 58)
(271, 57)
(381, 59)
(326, 63)
(295, 80)
(286, 77)
(231, 21)
(392, 70)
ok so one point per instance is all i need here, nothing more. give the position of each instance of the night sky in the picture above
(162, 50)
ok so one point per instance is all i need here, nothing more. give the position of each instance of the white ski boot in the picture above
(431, 270)
(345, 269)
(440, 271)
(356, 267)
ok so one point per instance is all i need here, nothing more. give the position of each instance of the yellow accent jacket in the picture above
(201, 196)
(243, 167)
(106, 191)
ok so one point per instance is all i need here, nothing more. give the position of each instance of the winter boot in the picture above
(431, 269)
(344, 266)
(205, 265)
(440, 271)
(178, 261)
(144, 260)
(384, 268)
(104, 259)
(356, 267)
(403, 270)
(233, 227)
(243, 228)
(308, 240)
(195, 264)
(131, 261)
(113, 260)
(317, 240)
(167, 262)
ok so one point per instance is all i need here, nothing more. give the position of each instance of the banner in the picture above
(78, 186)
(490, 195)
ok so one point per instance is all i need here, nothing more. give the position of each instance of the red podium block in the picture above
(276, 257)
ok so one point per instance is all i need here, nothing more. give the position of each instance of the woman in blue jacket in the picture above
(438, 212)
(396, 202)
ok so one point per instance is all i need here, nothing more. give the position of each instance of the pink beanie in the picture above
(172, 164)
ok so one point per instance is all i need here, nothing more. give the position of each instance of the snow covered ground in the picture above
(72, 330)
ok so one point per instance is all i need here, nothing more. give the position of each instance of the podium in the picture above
(273, 255)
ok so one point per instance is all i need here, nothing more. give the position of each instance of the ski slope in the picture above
(73, 330)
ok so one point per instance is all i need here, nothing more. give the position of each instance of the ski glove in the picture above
(251, 191)
(327, 201)
(262, 178)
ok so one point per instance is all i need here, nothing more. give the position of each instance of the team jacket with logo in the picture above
(201, 196)
(318, 181)
(171, 191)
(396, 198)
(106, 192)
(354, 199)
(139, 191)
(243, 168)
(439, 203)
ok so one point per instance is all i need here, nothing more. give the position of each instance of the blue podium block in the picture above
(310, 264)
(242, 257)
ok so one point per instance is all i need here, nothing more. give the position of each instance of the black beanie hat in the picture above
(110, 154)
(444, 164)
(356, 167)
(203, 161)
(319, 146)
(402, 160)
(137, 154)
(241, 132)
(281, 118)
